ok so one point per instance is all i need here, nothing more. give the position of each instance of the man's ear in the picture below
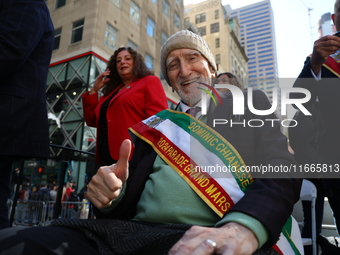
(333, 16)
(213, 72)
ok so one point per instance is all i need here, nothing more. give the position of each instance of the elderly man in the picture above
(163, 202)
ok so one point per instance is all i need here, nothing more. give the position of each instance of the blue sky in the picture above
(293, 29)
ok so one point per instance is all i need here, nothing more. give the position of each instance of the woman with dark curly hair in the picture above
(130, 94)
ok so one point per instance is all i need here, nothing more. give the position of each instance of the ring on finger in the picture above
(212, 243)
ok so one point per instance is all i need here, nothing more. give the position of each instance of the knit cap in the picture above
(185, 39)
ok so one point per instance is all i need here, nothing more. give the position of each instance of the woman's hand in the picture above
(101, 80)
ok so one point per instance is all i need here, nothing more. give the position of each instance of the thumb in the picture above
(122, 164)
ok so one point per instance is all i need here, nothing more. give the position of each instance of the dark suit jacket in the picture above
(268, 200)
(26, 40)
(328, 92)
(305, 137)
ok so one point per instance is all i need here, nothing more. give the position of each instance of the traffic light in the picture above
(40, 169)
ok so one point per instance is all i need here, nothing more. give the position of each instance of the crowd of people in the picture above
(151, 194)
(32, 198)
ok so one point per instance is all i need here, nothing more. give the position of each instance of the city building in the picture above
(222, 34)
(258, 39)
(87, 32)
(326, 26)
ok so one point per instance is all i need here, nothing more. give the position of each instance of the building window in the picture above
(216, 14)
(202, 30)
(215, 27)
(117, 3)
(57, 36)
(217, 42)
(111, 37)
(60, 3)
(150, 28)
(176, 21)
(134, 13)
(164, 38)
(77, 31)
(166, 8)
(149, 61)
(218, 58)
(132, 45)
(200, 18)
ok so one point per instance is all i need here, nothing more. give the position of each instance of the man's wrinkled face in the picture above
(185, 67)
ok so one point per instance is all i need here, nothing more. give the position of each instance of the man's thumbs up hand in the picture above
(121, 168)
(106, 184)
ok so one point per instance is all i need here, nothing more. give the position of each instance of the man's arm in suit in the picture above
(307, 81)
(22, 25)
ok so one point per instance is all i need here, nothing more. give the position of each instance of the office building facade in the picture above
(258, 39)
(222, 34)
(326, 26)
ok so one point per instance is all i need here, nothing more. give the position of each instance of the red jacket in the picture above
(141, 99)
(67, 194)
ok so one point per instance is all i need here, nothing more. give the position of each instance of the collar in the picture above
(185, 107)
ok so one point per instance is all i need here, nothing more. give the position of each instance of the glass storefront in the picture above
(66, 82)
